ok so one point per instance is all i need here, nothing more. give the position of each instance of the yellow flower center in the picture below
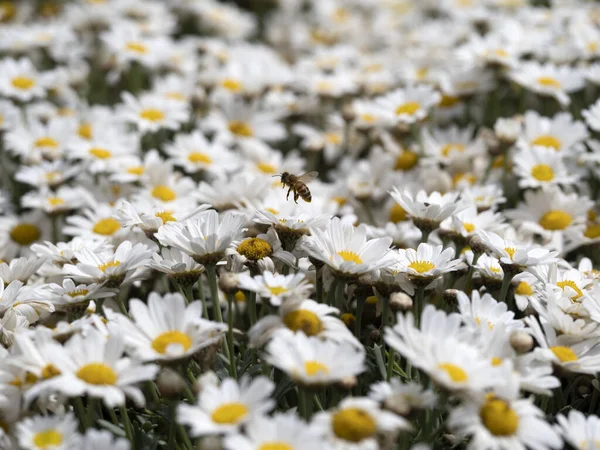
(46, 142)
(136, 47)
(469, 227)
(353, 424)
(549, 82)
(348, 319)
(78, 293)
(496, 361)
(542, 172)
(97, 373)
(278, 290)
(152, 115)
(255, 249)
(448, 101)
(333, 138)
(313, 368)
(49, 438)
(229, 413)
(511, 251)
(29, 379)
(240, 128)
(348, 255)
(107, 226)
(174, 337)
(266, 167)
(85, 131)
(232, 85)
(164, 193)
(369, 118)
(455, 373)
(499, 418)
(547, 141)
(275, 445)
(524, 289)
(409, 108)
(572, 285)
(305, 321)
(406, 160)
(564, 354)
(165, 216)
(100, 153)
(556, 220)
(199, 157)
(25, 233)
(592, 231)
(449, 148)
(421, 266)
(371, 300)
(136, 170)
(240, 296)
(272, 211)
(50, 371)
(23, 83)
(175, 96)
(397, 214)
(56, 201)
(105, 266)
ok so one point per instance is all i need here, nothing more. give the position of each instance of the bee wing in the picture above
(306, 177)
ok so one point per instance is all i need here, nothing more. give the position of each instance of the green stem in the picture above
(202, 298)
(189, 294)
(185, 438)
(173, 425)
(331, 293)
(385, 306)
(251, 305)
(126, 422)
(390, 363)
(319, 285)
(91, 412)
(339, 294)
(121, 302)
(469, 280)
(505, 285)
(360, 303)
(425, 235)
(232, 364)
(211, 272)
(78, 403)
(419, 304)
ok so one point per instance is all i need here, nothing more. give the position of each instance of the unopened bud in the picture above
(206, 379)
(348, 382)
(583, 390)
(477, 244)
(170, 384)
(507, 129)
(348, 113)
(210, 443)
(228, 282)
(374, 336)
(450, 297)
(399, 302)
(397, 404)
(521, 342)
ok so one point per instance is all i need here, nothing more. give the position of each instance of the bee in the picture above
(298, 185)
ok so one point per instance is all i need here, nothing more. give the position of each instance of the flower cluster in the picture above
(299, 224)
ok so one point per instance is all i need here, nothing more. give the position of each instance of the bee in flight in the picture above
(298, 185)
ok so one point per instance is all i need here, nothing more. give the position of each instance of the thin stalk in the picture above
(419, 304)
(505, 285)
(126, 422)
(251, 306)
(469, 279)
(211, 272)
(232, 364)
(331, 293)
(185, 438)
(339, 293)
(360, 304)
(173, 425)
(202, 298)
(385, 306)
(319, 285)
(425, 235)
(78, 403)
(91, 412)
(390, 363)
(121, 302)
(189, 294)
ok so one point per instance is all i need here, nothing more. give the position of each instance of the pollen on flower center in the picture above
(240, 128)
(397, 214)
(232, 85)
(50, 371)
(547, 141)
(56, 201)
(255, 249)
(152, 114)
(77, 293)
(406, 160)
(199, 157)
(556, 220)
(564, 354)
(421, 266)
(333, 138)
(353, 424)
(25, 233)
(408, 108)
(162, 342)
(448, 101)
(542, 172)
(455, 373)
(572, 285)
(499, 418)
(105, 266)
(275, 445)
(278, 290)
(23, 83)
(136, 47)
(106, 227)
(469, 227)
(303, 320)
(523, 288)
(511, 251)
(97, 373)
(229, 413)
(313, 368)
(85, 131)
(348, 255)
(266, 167)
(449, 148)
(592, 231)
(136, 170)
(46, 142)
(165, 216)
(496, 361)
(48, 438)
(549, 82)
(164, 193)
(100, 153)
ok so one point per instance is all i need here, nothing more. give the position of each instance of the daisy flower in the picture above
(165, 329)
(21, 81)
(61, 201)
(129, 45)
(451, 145)
(150, 113)
(70, 295)
(102, 153)
(358, 423)
(346, 250)
(579, 431)
(178, 266)
(410, 105)
(466, 222)
(308, 317)
(549, 80)
(222, 409)
(592, 116)
(540, 167)
(260, 251)
(225, 193)
(94, 365)
(483, 310)
(276, 287)
(21, 269)
(284, 430)
(310, 361)
(402, 398)
(97, 223)
(427, 262)
(512, 254)
(559, 133)
(103, 440)
(42, 432)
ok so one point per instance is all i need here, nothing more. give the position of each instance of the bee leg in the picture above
(296, 195)
(287, 197)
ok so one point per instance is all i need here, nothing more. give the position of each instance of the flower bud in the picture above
(522, 342)
(400, 302)
(348, 382)
(348, 113)
(477, 244)
(170, 384)
(228, 282)
(450, 297)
